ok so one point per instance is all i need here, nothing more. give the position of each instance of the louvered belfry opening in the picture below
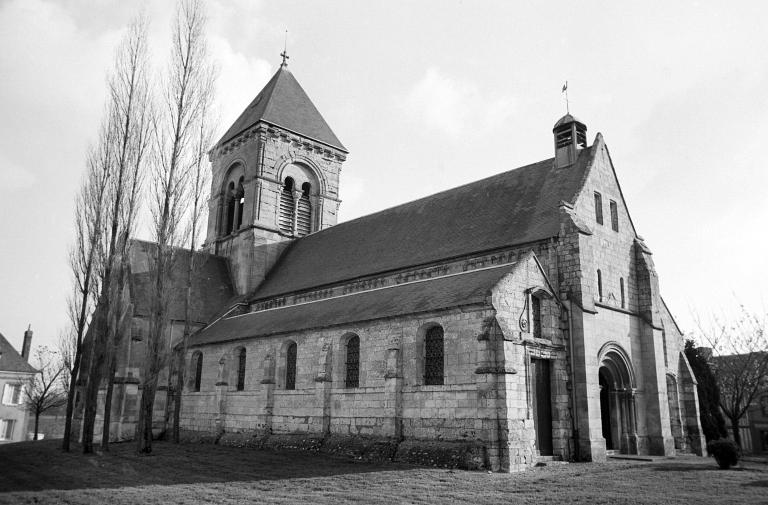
(285, 220)
(433, 357)
(304, 212)
(352, 379)
(290, 366)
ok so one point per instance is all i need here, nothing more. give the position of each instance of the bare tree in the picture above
(130, 91)
(84, 258)
(67, 349)
(128, 103)
(187, 90)
(43, 392)
(739, 362)
(199, 195)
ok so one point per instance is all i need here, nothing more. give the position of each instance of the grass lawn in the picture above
(38, 472)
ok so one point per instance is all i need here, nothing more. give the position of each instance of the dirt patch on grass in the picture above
(38, 472)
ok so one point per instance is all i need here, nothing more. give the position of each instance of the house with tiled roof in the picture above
(15, 374)
(507, 321)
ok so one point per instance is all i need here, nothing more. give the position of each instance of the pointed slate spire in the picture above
(285, 104)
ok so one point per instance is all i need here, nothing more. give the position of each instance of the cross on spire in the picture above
(284, 54)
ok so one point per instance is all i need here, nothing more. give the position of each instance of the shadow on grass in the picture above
(37, 466)
(684, 467)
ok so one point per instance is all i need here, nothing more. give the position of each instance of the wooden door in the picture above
(542, 405)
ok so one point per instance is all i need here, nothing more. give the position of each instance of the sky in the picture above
(426, 96)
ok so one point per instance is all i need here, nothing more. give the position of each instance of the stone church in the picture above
(512, 319)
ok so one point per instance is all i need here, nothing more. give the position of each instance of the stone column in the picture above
(222, 385)
(323, 383)
(393, 390)
(268, 380)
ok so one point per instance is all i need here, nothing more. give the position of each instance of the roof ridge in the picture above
(423, 198)
(378, 289)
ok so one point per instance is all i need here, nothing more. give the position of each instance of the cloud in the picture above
(455, 106)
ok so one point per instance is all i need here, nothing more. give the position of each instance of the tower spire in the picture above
(284, 54)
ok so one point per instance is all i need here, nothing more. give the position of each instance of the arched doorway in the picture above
(616, 379)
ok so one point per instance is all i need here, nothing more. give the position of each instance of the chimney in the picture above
(570, 138)
(27, 343)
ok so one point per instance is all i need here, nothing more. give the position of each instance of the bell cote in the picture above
(570, 137)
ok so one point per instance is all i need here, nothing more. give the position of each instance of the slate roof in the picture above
(511, 208)
(211, 285)
(11, 360)
(466, 288)
(284, 103)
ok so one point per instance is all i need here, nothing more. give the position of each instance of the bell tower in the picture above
(570, 138)
(275, 178)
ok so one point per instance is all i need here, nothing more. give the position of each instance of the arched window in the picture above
(241, 369)
(599, 285)
(433, 357)
(304, 212)
(352, 379)
(290, 366)
(197, 367)
(239, 204)
(621, 286)
(230, 203)
(285, 219)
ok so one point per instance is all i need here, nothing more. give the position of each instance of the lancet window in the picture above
(352, 379)
(433, 357)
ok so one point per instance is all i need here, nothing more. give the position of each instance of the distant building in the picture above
(15, 373)
(519, 316)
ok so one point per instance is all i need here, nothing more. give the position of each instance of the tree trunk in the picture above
(37, 423)
(177, 393)
(144, 426)
(108, 404)
(71, 403)
(735, 431)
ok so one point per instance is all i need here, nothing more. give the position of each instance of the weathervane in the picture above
(567, 105)
(284, 54)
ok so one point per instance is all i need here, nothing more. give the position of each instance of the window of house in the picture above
(229, 201)
(433, 357)
(241, 370)
(599, 285)
(290, 366)
(623, 298)
(285, 219)
(198, 368)
(304, 212)
(239, 204)
(614, 216)
(352, 379)
(6, 429)
(536, 316)
(598, 208)
(12, 394)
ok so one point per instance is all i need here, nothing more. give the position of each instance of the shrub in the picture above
(725, 452)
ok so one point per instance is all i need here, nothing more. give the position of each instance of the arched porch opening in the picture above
(617, 383)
